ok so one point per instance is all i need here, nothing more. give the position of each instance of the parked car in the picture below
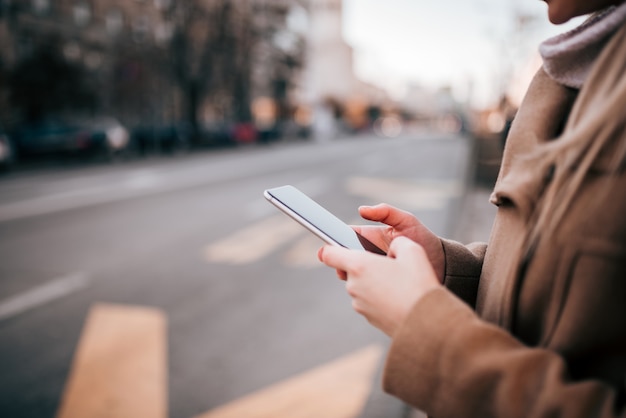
(97, 136)
(105, 135)
(228, 133)
(216, 134)
(245, 133)
(169, 138)
(6, 151)
(45, 137)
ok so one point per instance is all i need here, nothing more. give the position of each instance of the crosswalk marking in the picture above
(335, 390)
(405, 194)
(254, 242)
(120, 370)
(303, 254)
(257, 241)
(120, 367)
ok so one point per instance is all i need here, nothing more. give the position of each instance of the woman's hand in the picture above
(401, 224)
(384, 289)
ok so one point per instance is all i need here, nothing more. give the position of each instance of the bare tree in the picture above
(46, 83)
(198, 48)
(213, 54)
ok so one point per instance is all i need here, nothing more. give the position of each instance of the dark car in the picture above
(216, 134)
(98, 136)
(46, 137)
(222, 133)
(168, 138)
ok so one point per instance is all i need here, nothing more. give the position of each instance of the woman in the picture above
(545, 330)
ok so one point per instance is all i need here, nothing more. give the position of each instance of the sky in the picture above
(469, 45)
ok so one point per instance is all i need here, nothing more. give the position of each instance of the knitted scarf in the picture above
(568, 57)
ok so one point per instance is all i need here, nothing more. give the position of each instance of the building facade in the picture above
(108, 40)
(150, 60)
(330, 85)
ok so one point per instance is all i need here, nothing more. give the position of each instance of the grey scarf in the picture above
(568, 57)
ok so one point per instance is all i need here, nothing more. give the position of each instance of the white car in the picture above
(6, 152)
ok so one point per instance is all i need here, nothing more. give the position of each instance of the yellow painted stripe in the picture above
(303, 253)
(404, 194)
(254, 242)
(335, 390)
(120, 367)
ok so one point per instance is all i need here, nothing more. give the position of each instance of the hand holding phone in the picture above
(317, 219)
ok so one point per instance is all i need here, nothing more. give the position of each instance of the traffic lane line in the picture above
(44, 294)
(120, 367)
(335, 390)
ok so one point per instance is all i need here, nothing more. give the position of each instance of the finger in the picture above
(404, 247)
(377, 234)
(368, 231)
(338, 258)
(386, 214)
(357, 228)
(340, 273)
(406, 251)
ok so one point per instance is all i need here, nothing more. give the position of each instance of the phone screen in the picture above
(317, 219)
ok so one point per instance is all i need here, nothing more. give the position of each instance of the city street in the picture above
(170, 287)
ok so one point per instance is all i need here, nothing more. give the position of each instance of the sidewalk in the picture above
(477, 213)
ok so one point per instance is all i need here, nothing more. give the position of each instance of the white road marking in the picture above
(120, 366)
(147, 182)
(146, 179)
(55, 289)
(334, 390)
(405, 194)
(138, 183)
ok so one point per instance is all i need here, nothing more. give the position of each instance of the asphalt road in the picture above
(225, 294)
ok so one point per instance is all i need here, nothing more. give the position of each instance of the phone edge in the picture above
(299, 219)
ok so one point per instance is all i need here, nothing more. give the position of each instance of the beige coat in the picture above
(547, 332)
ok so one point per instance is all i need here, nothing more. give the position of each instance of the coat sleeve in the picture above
(463, 267)
(448, 362)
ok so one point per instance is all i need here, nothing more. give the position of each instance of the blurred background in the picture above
(141, 271)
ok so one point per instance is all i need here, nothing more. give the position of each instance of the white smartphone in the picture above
(317, 219)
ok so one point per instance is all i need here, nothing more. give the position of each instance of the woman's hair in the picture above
(593, 139)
